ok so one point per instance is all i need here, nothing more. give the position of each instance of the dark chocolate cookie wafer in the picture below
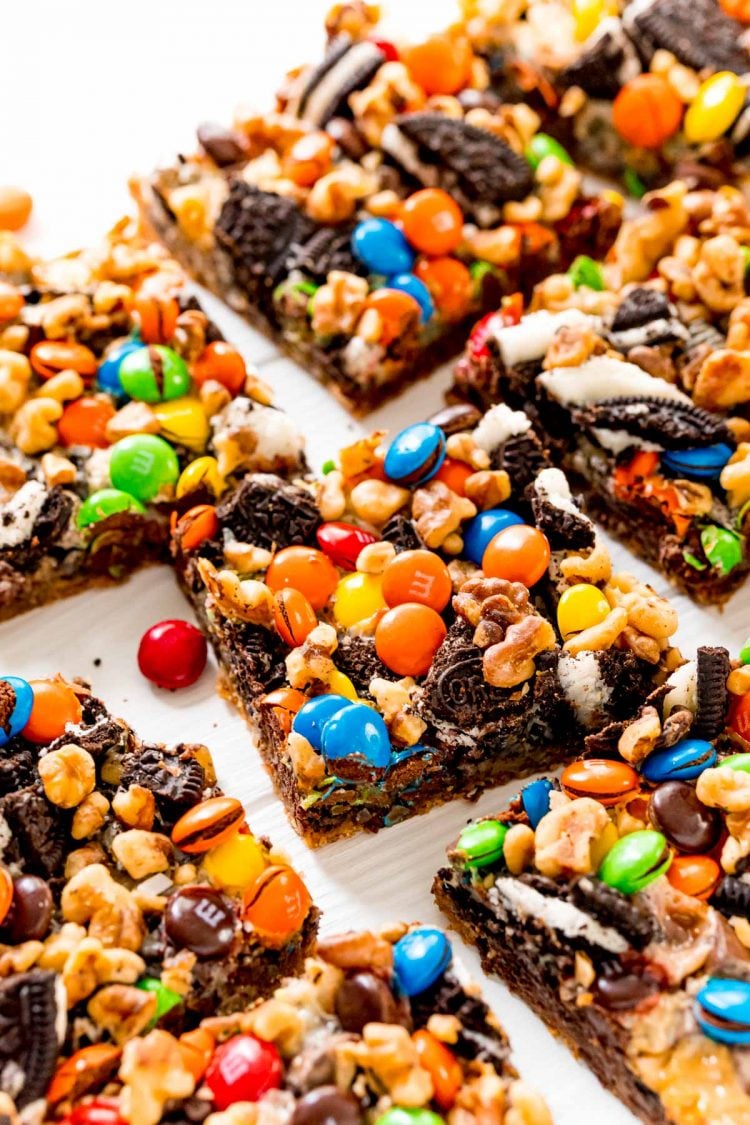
(601, 68)
(329, 248)
(712, 669)
(669, 423)
(324, 90)
(32, 1023)
(270, 513)
(699, 34)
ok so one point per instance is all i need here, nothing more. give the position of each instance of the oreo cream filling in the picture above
(584, 688)
(533, 335)
(556, 913)
(20, 513)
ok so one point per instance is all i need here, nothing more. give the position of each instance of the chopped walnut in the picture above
(92, 896)
(376, 500)
(394, 700)
(89, 816)
(483, 599)
(511, 661)
(135, 806)
(559, 185)
(122, 1011)
(573, 838)
(595, 566)
(735, 476)
(388, 1053)
(724, 788)
(15, 376)
(639, 738)
(153, 1071)
(331, 496)
(573, 345)
(33, 428)
(309, 766)
(246, 558)
(526, 1106)
(464, 447)
(518, 848)
(68, 775)
(487, 488)
(598, 637)
(133, 418)
(392, 91)
(238, 599)
(501, 246)
(643, 240)
(357, 950)
(62, 387)
(311, 662)
(19, 958)
(337, 305)
(334, 197)
(58, 469)
(142, 853)
(438, 512)
(647, 611)
(374, 557)
(719, 274)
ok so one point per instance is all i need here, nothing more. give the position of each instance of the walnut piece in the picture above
(153, 1071)
(236, 598)
(511, 661)
(142, 853)
(573, 838)
(68, 775)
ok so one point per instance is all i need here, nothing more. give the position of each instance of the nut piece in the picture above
(599, 637)
(518, 848)
(15, 376)
(571, 839)
(89, 816)
(376, 500)
(639, 738)
(394, 703)
(238, 599)
(68, 775)
(122, 1011)
(142, 853)
(92, 896)
(724, 788)
(511, 661)
(438, 512)
(337, 305)
(153, 1070)
(311, 661)
(33, 428)
(135, 806)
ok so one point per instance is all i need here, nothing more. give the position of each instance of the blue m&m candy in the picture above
(419, 958)
(698, 464)
(685, 760)
(478, 532)
(722, 1009)
(357, 730)
(313, 716)
(417, 289)
(108, 375)
(382, 247)
(415, 454)
(16, 701)
(535, 799)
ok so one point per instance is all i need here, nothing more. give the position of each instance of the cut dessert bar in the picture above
(641, 90)
(378, 1027)
(386, 671)
(119, 402)
(616, 902)
(132, 894)
(642, 398)
(367, 219)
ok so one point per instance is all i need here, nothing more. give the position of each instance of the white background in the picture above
(89, 93)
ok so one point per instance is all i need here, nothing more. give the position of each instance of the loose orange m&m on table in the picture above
(55, 706)
(407, 638)
(276, 904)
(417, 576)
(519, 554)
(306, 569)
(432, 221)
(647, 111)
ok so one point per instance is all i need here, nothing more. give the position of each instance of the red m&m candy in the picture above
(342, 542)
(98, 1111)
(172, 654)
(243, 1069)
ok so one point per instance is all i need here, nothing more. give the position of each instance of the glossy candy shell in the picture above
(381, 246)
(24, 701)
(535, 799)
(729, 1002)
(684, 761)
(478, 532)
(635, 861)
(313, 716)
(415, 454)
(419, 958)
(697, 464)
(357, 729)
(342, 542)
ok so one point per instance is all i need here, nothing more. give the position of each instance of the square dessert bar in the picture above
(385, 202)
(378, 1027)
(616, 901)
(119, 403)
(641, 91)
(642, 392)
(133, 896)
(434, 616)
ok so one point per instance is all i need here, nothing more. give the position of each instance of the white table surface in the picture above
(90, 92)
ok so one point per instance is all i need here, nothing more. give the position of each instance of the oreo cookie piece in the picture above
(176, 780)
(605, 65)
(698, 34)
(39, 839)
(323, 92)
(668, 423)
(712, 669)
(557, 514)
(32, 1025)
(329, 248)
(455, 690)
(257, 229)
(402, 533)
(644, 318)
(477, 168)
(356, 658)
(523, 457)
(269, 512)
(612, 908)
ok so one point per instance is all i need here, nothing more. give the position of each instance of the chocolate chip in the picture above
(269, 513)
(200, 919)
(224, 146)
(688, 824)
(402, 533)
(29, 1016)
(326, 1106)
(618, 990)
(456, 418)
(712, 670)
(364, 998)
(732, 897)
(30, 911)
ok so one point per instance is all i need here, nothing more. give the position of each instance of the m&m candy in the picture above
(143, 465)
(293, 616)
(50, 356)
(715, 107)
(97, 1111)
(442, 1066)
(417, 576)
(450, 284)
(183, 421)
(419, 958)
(154, 374)
(276, 904)
(705, 463)
(478, 532)
(584, 271)
(312, 717)
(481, 843)
(236, 862)
(16, 703)
(307, 570)
(415, 454)
(635, 861)
(535, 798)
(106, 502)
(357, 730)
(542, 145)
(108, 375)
(408, 1115)
(172, 654)
(722, 1009)
(200, 919)
(207, 824)
(196, 526)
(202, 473)
(382, 247)
(358, 596)
(243, 1069)
(647, 111)
(84, 422)
(409, 283)
(696, 875)
(432, 221)
(690, 826)
(581, 607)
(441, 64)
(608, 782)
(221, 363)
(407, 638)
(342, 542)
(398, 313)
(686, 760)
(518, 554)
(55, 707)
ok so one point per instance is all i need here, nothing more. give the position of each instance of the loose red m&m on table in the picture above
(519, 554)
(172, 654)
(432, 221)
(407, 638)
(647, 111)
(243, 1069)
(305, 569)
(55, 706)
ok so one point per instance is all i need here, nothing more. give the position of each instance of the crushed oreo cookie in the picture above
(598, 69)
(523, 457)
(269, 513)
(356, 658)
(402, 533)
(712, 669)
(477, 1037)
(176, 779)
(326, 88)
(455, 690)
(328, 248)
(566, 530)
(644, 318)
(38, 832)
(613, 909)
(698, 34)
(30, 1016)
(665, 422)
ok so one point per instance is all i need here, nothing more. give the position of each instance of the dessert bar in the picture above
(433, 616)
(119, 403)
(616, 901)
(368, 218)
(379, 1027)
(133, 897)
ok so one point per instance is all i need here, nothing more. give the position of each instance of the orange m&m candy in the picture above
(454, 474)
(157, 317)
(449, 283)
(398, 313)
(277, 903)
(222, 363)
(647, 111)
(6, 891)
(293, 616)
(442, 1066)
(11, 301)
(85, 1070)
(55, 705)
(417, 576)
(737, 9)
(695, 875)
(432, 221)
(207, 824)
(196, 526)
(440, 65)
(84, 422)
(519, 553)
(285, 703)
(606, 781)
(407, 638)
(307, 570)
(50, 356)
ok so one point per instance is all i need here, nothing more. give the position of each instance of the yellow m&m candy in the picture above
(716, 106)
(587, 15)
(201, 473)
(579, 608)
(357, 597)
(183, 421)
(340, 684)
(236, 863)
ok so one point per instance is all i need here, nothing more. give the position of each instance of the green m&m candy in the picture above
(106, 502)
(635, 861)
(154, 374)
(542, 145)
(166, 998)
(142, 465)
(403, 1115)
(481, 843)
(745, 652)
(737, 762)
(585, 271)
(723, 548)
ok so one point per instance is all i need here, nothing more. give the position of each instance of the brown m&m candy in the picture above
(365, 998)
(689, 825)
(30, 911)
(200, 919)
(206, 825)
(326, 1105)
